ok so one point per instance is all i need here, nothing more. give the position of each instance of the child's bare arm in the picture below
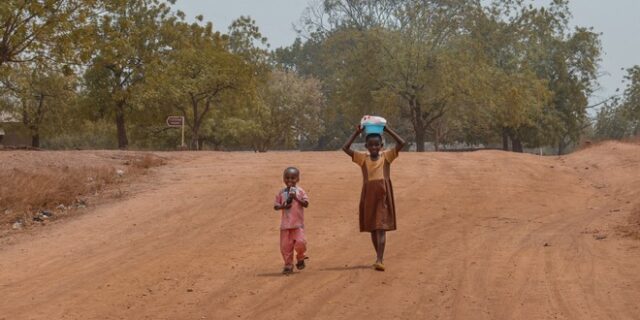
(304, 203)
(347, 146)
(301, 197)
(282, 206)
(400, 143)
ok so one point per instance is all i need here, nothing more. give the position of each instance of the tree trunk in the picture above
(35, 140)
(195, 130)
(195, 138)
(561, 147)
(123, 142)
(517, 145)
(263, 148)
(35, 126)
(505, 139)
(195, 135)
(418, 125)
(420, 140)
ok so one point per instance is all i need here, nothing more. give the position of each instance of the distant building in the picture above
(13, 132)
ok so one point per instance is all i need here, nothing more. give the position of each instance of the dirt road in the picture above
(483, 235)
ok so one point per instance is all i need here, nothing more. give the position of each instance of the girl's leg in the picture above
(374, 239)
(381, 239)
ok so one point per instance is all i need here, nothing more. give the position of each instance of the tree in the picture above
(198, 74)
(246, 40)
(405, 48)
(126, 42)
(568, 61)
(285, 114)
(35, 93)
(32, 29)
(620, 118)
(529, 49)
(296, 104)
(610, 123)
(632, 100)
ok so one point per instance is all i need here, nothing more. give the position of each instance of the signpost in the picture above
(177, 121)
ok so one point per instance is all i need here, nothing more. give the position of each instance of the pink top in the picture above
(292, 218)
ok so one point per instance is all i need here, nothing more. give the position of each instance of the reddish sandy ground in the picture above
(482, 235)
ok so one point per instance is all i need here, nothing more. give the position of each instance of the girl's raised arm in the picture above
(400, 143)
(347, 146)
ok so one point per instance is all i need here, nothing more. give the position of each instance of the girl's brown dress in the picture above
(377, 207)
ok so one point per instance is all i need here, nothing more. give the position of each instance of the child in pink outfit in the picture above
(292, 200)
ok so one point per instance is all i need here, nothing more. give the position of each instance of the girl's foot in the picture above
(287, 270)
(378, 266)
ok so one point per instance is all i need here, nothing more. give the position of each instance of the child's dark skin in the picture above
(290, 178)
(374, 144)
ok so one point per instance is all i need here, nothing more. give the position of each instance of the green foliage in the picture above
(455, 70)
(621, 118)
(125, 42)
(445, 71)
(84, 134)
(38, 96)
(632, 100)
(197, 75)
(246, 41)
(285, 114)
(32, 30)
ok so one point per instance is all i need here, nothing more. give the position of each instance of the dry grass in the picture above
(632, 229)
(633, 140)
(145, 162)
(25, 192)
(586, 144)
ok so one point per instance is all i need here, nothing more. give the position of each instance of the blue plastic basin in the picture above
(373, 128)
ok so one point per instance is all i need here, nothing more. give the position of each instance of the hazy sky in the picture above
(617, 20)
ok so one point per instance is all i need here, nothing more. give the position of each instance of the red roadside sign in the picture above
(175, 121)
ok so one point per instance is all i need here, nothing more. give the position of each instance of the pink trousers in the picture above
(291, 239)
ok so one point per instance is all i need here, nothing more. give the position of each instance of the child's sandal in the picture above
(300, 264)
(378, 266)
(287, 270)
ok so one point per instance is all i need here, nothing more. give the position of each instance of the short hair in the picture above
(293, 170)
(373, 135)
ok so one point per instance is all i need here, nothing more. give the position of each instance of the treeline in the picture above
(620, 117)
(106, 74)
